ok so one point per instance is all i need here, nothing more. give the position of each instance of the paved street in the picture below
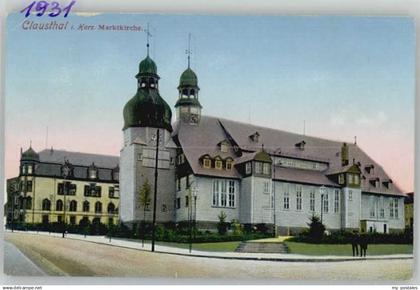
(58, 256)
(17, 264)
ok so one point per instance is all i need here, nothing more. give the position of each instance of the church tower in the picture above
(188, 108)
(146, 115)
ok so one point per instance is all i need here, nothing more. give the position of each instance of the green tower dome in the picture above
(188, 78)
(147, 108)
(147, 66)
(29, 155)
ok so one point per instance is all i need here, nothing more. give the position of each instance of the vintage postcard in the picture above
(241, 148)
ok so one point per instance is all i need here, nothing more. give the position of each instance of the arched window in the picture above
(98, 207)
(73, 205)
(111, 207)
(46, 204)
(85, 205)
(192, 92)
(151, 82)
(185, 92)
(29, 202)
(59, 205)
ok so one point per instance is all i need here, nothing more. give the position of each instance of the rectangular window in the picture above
(228, 165)
(178, 203)
(258, 167)
(266, 187)
(356, 179)
(111, 192)
(218, 164)
(336, 200)
(266, 168)
(350, 178)
(350, 195)
(223, 193)
(186, 201)
(326, 205)
(215, 192)
(187, 182)
(29, 185)
(341, 179)
(298, 197)
(207, 163)
(396, 208)
(248, 168)
(372, 207)
(391, 208)
(29, 169)
(231, 193)
(178, 184)
(312, 199)
(286, 197)
(382, 213)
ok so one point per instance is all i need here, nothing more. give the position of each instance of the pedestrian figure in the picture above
(355, 243)
(363, 245)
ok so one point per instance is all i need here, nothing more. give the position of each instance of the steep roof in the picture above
(197, 140)
(78, 158)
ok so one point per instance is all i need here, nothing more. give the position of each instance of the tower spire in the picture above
(148, 38)
(188, 51)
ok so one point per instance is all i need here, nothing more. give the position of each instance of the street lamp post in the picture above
(191, 214)
(322, 190)
(109, 225)
(155, 191)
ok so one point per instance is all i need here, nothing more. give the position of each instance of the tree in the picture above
(222, 225)
(316, 229)
(144, 199)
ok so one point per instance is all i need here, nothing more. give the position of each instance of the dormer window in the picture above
(229, 164)
(93, 171)
(387, 182)
(369, 168)
(300, 145)
(206, 163)
(218, 164)
(255, 137)
(223, 147)
(248, 168)
(373, 181)
(341, 179)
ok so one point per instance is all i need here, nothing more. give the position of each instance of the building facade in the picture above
(256, 175)
(54, 186)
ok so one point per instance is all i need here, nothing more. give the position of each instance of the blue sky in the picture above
(345, 76)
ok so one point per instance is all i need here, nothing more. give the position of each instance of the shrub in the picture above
(222, 225)
(316, 229)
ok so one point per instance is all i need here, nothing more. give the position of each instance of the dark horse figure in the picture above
(355, 243)
(363, 242)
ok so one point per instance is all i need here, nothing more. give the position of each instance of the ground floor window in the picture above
(223, 193)
(72, 220)
(312, 200)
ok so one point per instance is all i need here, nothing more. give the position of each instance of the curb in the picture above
(307, 260)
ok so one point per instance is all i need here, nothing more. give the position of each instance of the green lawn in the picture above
(215, 247)
(346, 250)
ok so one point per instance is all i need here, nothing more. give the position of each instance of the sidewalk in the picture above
(118, 242)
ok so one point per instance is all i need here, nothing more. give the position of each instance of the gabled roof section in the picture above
(197, 140)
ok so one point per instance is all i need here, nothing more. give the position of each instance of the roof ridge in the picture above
(274, 129)
(78, 152)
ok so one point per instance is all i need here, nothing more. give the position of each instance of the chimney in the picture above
(344, 155)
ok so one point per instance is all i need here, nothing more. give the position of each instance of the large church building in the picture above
(256, 175)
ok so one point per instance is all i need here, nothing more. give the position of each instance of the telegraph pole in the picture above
(155, 191)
